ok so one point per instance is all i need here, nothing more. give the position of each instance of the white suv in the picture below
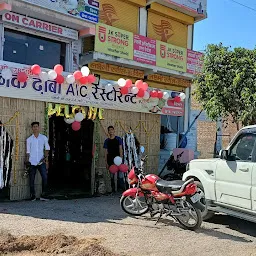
(228, 183)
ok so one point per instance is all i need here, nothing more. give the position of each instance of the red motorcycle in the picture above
(178, 199)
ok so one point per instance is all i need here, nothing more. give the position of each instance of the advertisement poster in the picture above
(83, 9)
(194, 62)
(171, 57)
(198, 6)
(144, 50)
(114, 41)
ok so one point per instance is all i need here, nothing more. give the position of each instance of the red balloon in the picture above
(139, 84)
(128, 83)
(123, 168)
(78, 75)
(160, 95)
(22, 77)
(141, 93)
(113, 169)
(153, 94)
(91, 79)
(60, 79)
(144, 86)
(76, 126)
(58, 69)
(177, 99)
(36, 70)
(83, 80)
(124, 90)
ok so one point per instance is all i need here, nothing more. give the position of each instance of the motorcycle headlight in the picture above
(187, 167)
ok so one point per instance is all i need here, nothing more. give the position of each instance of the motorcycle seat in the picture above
(165, 186)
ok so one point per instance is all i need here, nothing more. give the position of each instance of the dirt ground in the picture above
(98, 227)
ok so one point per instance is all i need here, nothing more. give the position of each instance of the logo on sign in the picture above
(163, 51)
(164, 30)
(108, 14)
(102, 34)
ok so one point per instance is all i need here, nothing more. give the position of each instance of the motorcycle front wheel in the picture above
(136, 206)
(191, 218)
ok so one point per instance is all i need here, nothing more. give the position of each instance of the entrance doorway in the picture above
(70, 159)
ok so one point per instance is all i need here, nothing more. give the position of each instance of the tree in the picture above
(227, 85)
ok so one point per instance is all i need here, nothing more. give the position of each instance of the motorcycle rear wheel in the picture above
(136, 207)
(196, 215)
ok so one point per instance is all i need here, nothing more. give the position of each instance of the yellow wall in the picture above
(120, 14)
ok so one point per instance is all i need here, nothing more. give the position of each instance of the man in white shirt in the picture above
(37, 155)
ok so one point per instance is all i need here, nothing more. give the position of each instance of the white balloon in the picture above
(146, 95)
(121, 82)
(79, 117)
(134, 90)
(6, 73)
(70, 79)
(166, 96)
(52, 74)
(43, 76)
(182, 96)
(108, 88)
(85, 71)
(118, 160)
(69, 120)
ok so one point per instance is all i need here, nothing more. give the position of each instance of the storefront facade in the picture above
(52, 34)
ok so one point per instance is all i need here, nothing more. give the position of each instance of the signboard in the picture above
(114, 41)
(194, 62)
(171, 57)
(39, 25)
(198, 6)
(83, 9)
(74, 94)
(144, 50)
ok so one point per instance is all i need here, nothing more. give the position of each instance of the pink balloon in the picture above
(144, 86)
(141, 93)
(124, 90)
(76, 126)
(36, 70)
(177, 99)
(58, 69)
(123, 168)
(128, 83)
(139, 84)
(113, 169)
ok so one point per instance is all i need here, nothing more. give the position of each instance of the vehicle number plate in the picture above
(195, 198)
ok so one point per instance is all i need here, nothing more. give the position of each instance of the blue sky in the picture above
(229, 23)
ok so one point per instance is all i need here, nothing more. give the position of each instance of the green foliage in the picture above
(227, 85)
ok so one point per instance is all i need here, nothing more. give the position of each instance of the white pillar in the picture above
(143, 20)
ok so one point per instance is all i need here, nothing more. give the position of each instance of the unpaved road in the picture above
(102, 218)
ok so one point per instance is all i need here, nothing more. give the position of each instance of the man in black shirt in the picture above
(113, 148)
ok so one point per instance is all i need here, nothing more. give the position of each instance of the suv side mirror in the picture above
(225, 156)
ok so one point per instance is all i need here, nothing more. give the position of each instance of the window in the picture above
(243, 149)
(29, 49)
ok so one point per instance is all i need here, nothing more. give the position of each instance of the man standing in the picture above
(113, 148)
(37, 155)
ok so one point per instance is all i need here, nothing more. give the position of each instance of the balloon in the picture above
(108, 88)
(144, 86)
(128, 83)
(58, 69)
(85, 71)
(123, 168)
(22, 77)
(78, 75)
(69, 120)
(121, 82)
(113, 169)
(79, 117)
(142, 149)
(182, 96)
(177, 99)
(134, 90)
(76, 126)
(7, 73)
(70, 79)
(36, 70)
(166, 95)
(139, 84)
(52, 75)
(153, 94)
(146, 95)
(118, 160)
(160, 94)
(174, 94)
(83, 80)
(60, 79)
(124, 90)
(43, 76)
(91, 79)
(140, 93)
